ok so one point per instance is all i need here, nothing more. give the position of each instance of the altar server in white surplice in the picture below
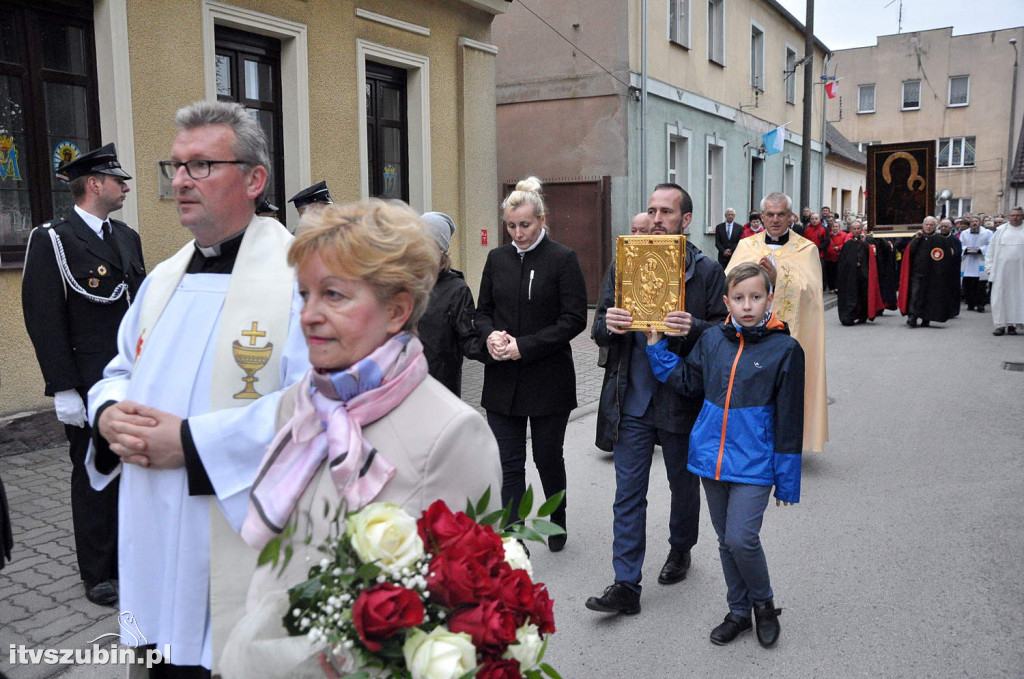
(1004, 262)
(186, 408)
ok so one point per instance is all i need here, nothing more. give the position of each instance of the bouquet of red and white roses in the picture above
(441, 597)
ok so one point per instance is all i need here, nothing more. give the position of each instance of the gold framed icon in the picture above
(650, 279)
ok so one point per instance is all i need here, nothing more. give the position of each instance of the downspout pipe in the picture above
(643, 105)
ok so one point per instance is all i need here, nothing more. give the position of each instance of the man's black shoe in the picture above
(925, 324)
(556, 543)
(767, 617)
(731, 627)
(675, 567)
(1011, 329)
(103, 594)
(999, 332)
(617, 598)
(912, 321)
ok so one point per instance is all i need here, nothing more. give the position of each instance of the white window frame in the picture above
(713, 205)
(114, 90)
(874, 92)
(787, 66)
(716, 43)
(903, 96)
(294, 82)
(963, 206)
(417, 87)
(674, 132)
(679, 30)
(949, 91)
(757, 41)
(761, 192)
(789, 178)
(962, 142)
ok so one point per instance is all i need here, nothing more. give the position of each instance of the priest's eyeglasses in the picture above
(196, 169)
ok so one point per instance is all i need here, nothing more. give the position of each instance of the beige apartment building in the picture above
(955, 89)
(720, 74)
(390, 98)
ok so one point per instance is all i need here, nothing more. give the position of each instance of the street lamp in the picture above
(941, 200)
(1009, 142)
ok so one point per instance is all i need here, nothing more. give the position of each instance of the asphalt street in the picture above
(902, 560)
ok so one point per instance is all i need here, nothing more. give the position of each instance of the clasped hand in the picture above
(503, 346)
(142, 435)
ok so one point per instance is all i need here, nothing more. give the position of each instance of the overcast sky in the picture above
(841, 24)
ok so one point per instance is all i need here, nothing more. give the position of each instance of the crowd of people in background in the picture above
(873, 273)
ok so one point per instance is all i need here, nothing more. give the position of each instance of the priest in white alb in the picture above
(186, 408)
(1004, 262)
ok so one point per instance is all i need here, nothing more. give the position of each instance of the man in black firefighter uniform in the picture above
(81, 273)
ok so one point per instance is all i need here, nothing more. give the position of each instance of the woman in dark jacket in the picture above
(446, 329)
(533, 301)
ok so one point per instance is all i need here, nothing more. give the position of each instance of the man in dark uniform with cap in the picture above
(81, 273)
(317, 193)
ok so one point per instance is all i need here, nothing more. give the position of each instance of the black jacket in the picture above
(722, 243)
(447, 329)
(75, 337)
(541, 300)
(705, 287)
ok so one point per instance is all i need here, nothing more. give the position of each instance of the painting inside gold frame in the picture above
(649, 278)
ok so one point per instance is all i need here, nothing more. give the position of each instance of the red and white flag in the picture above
(832, 89)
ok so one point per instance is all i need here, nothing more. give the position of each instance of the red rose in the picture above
(499, 669)
(491, 625)
(454, 581)
(479, 543)
(438, 526)
(384, 610)
(515, 591)
(543, 614)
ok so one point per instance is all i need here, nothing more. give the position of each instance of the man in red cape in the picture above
(928, 276)
(860, 298)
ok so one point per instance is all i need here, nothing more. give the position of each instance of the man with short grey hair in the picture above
(179, 414)
(792, 263)
(727, 235)
(929, 277)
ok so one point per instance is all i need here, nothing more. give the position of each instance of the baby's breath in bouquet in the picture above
(444, 596)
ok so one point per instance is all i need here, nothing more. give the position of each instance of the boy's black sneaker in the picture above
(617, 598)
(731, 627)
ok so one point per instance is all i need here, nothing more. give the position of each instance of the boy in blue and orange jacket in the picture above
(747, 438)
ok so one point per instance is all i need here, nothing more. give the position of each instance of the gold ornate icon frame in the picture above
(650, 278)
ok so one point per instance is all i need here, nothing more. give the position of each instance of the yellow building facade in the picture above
(307, 69)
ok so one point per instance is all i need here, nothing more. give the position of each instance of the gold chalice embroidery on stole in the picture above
(251, 359)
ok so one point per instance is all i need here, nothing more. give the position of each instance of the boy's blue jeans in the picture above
(737, 510)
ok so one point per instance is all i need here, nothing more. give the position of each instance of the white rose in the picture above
(526, 648)
(515, 555)
(439, 655)
(384, 534)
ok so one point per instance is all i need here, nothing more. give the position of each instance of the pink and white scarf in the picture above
(327, 425)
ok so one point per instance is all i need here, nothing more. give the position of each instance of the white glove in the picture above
(70, 408)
